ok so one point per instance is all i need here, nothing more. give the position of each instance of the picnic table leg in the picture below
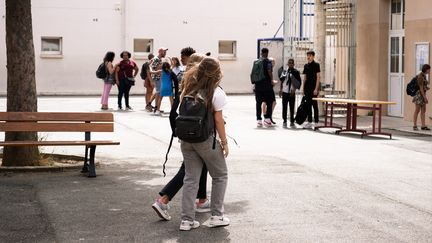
(354, 117)
(92, 167)
(325, 113)
(374, 130)
(348, 121)
(85, 167)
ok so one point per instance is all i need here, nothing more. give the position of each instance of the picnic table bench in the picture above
(352, 106)
(60, 122)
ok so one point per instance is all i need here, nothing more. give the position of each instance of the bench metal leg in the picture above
(85, 167)
(92, 167)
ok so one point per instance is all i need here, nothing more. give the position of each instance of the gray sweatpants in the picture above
(194, 155)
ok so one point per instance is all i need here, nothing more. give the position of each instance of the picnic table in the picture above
(352, 106)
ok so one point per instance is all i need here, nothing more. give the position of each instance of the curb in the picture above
(56, 167)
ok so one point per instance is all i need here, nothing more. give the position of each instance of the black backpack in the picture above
(302, 111)
(194, 123)
(144, 69)
(412, 87)
(101, 71)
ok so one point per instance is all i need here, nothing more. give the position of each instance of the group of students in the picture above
(160, 77)
(121, 74)
(290, 81)
(199, 79)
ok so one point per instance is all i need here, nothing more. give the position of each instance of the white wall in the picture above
(174, 24)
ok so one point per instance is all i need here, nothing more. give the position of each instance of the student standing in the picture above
(125, 70)
(109, 80)
(290, 81)
(169, 82)
(311, 87)
(264, 91)
(148, 84)
(156, 71)
(420, 100)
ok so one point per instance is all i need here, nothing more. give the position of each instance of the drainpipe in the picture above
(123, 24)
(320, 37)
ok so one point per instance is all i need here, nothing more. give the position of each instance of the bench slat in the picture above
(56, 116)
(57, 143)
(56, 127)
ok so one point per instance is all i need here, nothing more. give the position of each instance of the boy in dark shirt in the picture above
(264, 91)
(311, 86)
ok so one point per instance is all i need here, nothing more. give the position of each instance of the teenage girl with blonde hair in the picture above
(202, 82)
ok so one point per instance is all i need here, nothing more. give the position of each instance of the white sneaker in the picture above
(308, 125)
(162, 210)
(187, 225)
(203, 207)
(259, 123)
(267, 122)
(217, 221)
(157, 113)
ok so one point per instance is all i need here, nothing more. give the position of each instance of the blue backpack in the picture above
(412, 87)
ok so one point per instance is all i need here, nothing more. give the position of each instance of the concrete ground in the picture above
(285, 185)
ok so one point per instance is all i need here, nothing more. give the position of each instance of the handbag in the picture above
(130, 80)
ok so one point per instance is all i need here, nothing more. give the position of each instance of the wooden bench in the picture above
(60, 122)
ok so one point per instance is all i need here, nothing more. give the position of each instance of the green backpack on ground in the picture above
(257, 73)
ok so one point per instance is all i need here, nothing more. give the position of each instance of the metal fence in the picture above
(327, 27)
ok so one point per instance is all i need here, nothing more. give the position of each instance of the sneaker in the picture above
(285, 125)
(187, 225)
(162, 210)
(307, 125)
(149, 108)
(425, 128)
(203, 207)
(128, 108)
(267, 122)
(217, 221)
(259, 123)
(292, 124)
(157, 113)
(120, 108)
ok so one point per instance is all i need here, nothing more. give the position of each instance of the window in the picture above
(51, 46)
(397, 14)
(394, 56)
(142, 47)
(227, 49)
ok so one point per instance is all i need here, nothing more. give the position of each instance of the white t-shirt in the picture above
(219, 99)
(177, 70)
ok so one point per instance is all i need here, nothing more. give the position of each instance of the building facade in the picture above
(393, 40)
(71, 37)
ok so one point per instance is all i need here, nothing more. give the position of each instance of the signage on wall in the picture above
(422, 55)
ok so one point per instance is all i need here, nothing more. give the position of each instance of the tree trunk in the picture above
(21, 83)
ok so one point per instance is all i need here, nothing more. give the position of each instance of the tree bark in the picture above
(21, 82)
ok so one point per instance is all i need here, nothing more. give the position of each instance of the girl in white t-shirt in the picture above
(204, 78)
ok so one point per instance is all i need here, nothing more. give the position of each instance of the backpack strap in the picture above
(166, 156)
(214, 137)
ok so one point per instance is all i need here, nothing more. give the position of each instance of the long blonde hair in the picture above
(194, 59)
(201, 80)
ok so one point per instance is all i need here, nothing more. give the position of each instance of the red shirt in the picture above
(126, 68)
